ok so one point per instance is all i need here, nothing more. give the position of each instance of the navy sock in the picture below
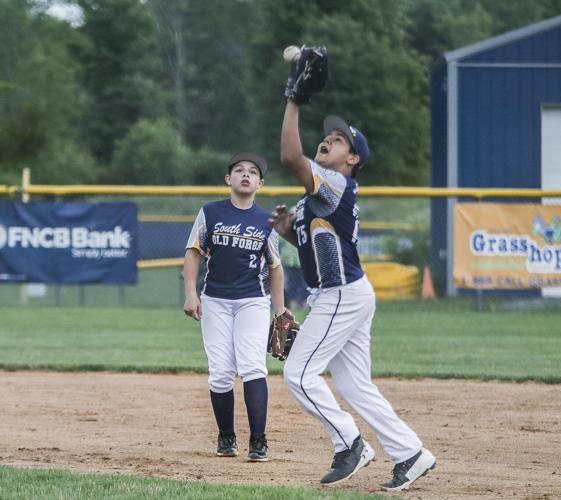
(256, 396)
(223, 406)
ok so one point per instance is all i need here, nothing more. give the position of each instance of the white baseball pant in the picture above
(235, 334)
(336, 334)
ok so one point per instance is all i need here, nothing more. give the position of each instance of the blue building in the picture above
(496, 123)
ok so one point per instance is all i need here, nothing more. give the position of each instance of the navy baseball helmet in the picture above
(257, 160)
(355, 137)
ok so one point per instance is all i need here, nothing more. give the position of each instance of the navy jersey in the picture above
(239, 246)
(326, 226)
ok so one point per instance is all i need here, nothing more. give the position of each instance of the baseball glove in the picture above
(308, 75)
(282, 332)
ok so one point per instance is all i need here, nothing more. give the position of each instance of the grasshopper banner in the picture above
(507, 246)
(60, 243)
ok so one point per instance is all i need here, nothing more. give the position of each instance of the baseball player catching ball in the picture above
(336, 332)
(242, 274)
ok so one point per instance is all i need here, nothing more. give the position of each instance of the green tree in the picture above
(507, 16)
(552, 8)
(204, 46)
(64, 161)
(438, 26)
(277, 25)
(15, 28)
(122, 76)
(151, 153)
(375, 82)
(40, 102)
(206, 167)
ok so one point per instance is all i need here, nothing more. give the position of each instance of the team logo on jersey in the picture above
(250, 238)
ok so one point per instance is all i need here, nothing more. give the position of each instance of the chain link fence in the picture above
(164, 222)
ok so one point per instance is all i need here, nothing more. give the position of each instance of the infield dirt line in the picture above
(491, 439)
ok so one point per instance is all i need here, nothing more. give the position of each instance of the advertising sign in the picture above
(62, 243)
(507, 246)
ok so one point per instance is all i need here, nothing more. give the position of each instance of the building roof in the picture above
(504, 39)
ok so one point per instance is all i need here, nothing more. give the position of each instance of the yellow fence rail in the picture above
(63, 190)
(27, 189)
(8, 190)
(428, 192)
(405, 226)
(159, 263)
(390, 191)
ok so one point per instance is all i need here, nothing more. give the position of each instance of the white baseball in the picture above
(291, 54)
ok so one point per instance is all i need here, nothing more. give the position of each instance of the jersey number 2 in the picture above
(252, 260)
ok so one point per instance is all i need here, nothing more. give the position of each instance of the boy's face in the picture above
(335, 151)
(244, 178)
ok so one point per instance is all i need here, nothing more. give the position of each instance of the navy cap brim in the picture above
(333, 122)
(257, 160)
(355, 137)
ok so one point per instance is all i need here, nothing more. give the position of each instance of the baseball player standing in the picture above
(242, 274)
(336, 332)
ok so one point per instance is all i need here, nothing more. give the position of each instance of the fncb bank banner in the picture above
(507, 245)
(61, 243)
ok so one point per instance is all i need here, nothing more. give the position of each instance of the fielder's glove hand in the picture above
(282, 332)
(308, 75)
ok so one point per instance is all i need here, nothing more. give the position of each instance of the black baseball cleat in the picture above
(227, 446)
(346, 463)
(258, 449)
(407, 472)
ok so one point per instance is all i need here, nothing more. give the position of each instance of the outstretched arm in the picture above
(292, 155)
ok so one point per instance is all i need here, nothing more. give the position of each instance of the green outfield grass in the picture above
(441, 339)
(155, 288)
(17, 484)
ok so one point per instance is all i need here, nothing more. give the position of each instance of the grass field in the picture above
(155, 288)
(18, 484)
(441, 339)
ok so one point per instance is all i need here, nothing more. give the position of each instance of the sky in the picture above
(69, 13)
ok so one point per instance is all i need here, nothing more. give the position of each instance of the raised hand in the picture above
(282, 221)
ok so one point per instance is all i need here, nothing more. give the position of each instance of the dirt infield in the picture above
(491, 439)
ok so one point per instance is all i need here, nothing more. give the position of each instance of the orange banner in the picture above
(507, 246)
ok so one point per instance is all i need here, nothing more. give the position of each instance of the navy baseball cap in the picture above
(257, 160)
(355, 137)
